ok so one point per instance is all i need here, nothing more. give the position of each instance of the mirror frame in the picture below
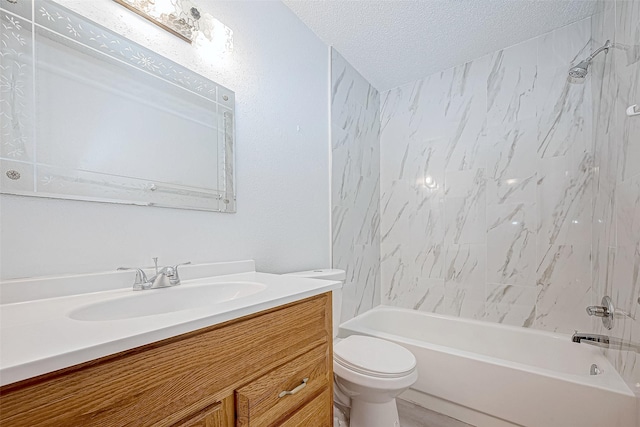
(21, 175)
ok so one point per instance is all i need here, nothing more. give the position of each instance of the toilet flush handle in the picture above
(295, 390)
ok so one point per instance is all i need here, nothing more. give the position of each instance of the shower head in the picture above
(579, 72)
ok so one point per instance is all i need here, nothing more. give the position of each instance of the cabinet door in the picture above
(219, 414)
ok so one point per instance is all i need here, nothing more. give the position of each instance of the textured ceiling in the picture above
(394, 42)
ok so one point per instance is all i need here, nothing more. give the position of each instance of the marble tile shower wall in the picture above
(355, 207)
(487, 187)
(616, 226)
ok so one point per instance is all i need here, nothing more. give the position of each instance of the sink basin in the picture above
(165, 300)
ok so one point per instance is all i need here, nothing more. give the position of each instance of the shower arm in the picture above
(606, 48)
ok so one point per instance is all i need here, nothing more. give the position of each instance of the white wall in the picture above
(278, 71)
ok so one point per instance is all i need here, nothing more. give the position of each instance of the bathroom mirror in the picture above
(87, 114)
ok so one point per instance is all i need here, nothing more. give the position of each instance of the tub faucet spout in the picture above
(594, 339)
(605, 341)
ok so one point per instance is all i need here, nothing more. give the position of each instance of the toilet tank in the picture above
(328, 274)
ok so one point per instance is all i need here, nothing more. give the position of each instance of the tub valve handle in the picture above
(598, 311)
(605, 311)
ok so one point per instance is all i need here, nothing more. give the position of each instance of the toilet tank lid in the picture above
(321, 273)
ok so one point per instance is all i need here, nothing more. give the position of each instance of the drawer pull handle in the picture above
(295, 390)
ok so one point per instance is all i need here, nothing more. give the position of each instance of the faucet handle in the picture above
(606, 311)
(141, 281)
(598, 311)
(178, 265)
(172, 273)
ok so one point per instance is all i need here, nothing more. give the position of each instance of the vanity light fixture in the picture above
(183, 19)
(167, 15)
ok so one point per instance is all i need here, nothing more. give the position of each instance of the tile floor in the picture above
(411, 416)
(415, 416)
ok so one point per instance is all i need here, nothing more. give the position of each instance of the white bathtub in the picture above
(493, 375)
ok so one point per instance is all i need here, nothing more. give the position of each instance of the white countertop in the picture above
(38, 336)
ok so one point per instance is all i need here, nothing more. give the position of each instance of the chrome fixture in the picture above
(605, 341)
(167, 276)
(141, 281)
(594, 370)
(606, 311)
(164, 278)
(183, 19)
(580, 71)
(595, 339)
(168, 16)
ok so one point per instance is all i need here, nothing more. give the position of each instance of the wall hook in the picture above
(633, 110)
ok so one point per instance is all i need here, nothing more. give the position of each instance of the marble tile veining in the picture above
(511, 244)
(564, 288)
(627, 70)
(616, 223)
(510, 148)
(355, 200)
(511, 305)
(487, 183)
(564, 107)
(464, 280)
(465, 207)
(511, 82)
(564, 200)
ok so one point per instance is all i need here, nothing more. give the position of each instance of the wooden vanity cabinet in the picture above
(218, 414)
(225, 375)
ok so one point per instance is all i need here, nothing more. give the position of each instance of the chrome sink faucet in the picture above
(141, 282)
(164, 278)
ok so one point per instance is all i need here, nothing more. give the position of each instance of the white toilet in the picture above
(369, 373)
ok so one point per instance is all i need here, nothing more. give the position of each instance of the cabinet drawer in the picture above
(316, 413)
(217, 414)
(262, 402)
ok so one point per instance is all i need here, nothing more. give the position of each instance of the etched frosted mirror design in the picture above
(86, 114)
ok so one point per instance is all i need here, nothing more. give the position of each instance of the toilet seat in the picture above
(374, 357)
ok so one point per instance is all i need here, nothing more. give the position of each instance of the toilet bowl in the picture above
(369, 373)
